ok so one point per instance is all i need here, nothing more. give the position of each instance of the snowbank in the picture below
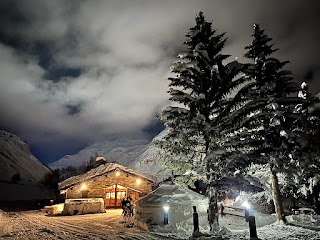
(150, 211)
(83, 206)
(269, 232)
(54, 209)
(307, 220)
(237, 222)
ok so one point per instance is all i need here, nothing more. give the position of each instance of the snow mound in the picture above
(83, 206)
(150, 210)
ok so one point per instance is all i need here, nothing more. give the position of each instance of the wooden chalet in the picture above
(110, 181)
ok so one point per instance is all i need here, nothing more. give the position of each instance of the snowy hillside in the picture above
(20, 171)
(122, 150)
(137, 153)
(151, 161)
(15, 157)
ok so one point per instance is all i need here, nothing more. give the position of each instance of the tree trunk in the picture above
(213, 210)
(277, 198)
(315, 199)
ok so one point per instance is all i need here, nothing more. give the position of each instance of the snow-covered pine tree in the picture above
(307, 179)
(200, 91)
(262, 130)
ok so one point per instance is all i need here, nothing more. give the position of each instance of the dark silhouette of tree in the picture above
(50, 182)
(15, 178)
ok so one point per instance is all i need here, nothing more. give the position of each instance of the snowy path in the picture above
(36, 225)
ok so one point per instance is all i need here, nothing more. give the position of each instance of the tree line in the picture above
(51, 180)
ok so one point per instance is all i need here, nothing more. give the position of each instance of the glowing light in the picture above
(166, 208)
(246, 204)
(63, 191)
(60, 207)
(117, 174)
(83, 187)
(138, 181)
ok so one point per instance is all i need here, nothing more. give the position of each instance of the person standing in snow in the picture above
(123, 206)
(130, 206)
(221, 210)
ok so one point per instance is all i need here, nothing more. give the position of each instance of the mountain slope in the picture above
(15, 157)
(122, 150)
(151, 161)
(137, 153)
(20, 171)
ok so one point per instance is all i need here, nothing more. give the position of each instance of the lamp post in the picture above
(166, 214)
(246, 206)
(195, 220)
(251, 220)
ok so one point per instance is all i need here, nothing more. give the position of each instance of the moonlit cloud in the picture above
(112, 58)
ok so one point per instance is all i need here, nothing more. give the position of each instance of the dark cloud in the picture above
(85, 69)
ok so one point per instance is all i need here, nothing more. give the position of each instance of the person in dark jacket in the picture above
(123, 205)
(130, 206)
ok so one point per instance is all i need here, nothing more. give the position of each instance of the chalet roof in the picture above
(103, 170)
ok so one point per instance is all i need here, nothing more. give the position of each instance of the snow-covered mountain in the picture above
(16, 158)
(137, 153)
(122, 150)
(151, 161)
(20, 171)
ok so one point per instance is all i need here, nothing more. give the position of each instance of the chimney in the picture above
(101, 161)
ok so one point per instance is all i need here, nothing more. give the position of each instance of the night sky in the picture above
(74, 72)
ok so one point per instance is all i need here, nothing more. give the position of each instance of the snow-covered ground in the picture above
(36, 225)
(269, 232)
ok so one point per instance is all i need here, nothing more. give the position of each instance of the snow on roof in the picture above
(171, 194)
(103, 170)
(248, 183)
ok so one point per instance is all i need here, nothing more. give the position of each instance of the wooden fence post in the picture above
(195, 220)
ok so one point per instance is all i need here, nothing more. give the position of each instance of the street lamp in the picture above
(251, 219)
(166, 214)
(246, 206)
